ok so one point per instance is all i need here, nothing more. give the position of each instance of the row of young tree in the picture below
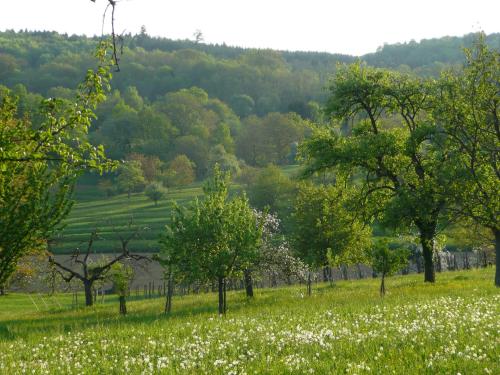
(219, 237)
(416, 153)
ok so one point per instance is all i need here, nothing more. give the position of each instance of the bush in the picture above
(155, 191)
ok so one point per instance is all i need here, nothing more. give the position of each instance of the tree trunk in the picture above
(466, 261)
(326, 276)
(382, 286)
(221, 295)
(497, 253)
(225, 298)
(248, 282)
(309, 282)
(343, 272)
(170, 292)
(2, 290)
(427, 242)
(89, 297)
(274, 281)
(123, 305)
(360, 271)
(439, 266)
(418, 262)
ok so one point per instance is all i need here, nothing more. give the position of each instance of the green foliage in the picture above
(180, 172)
(243, 105)
(179, 97)
(270, 187)
(155, 191)
(214, 238)
(325, 230)
(428, 56)
(150, 165)
(226, 162)
(39, 164)
(387, 261)
(468, 109)
(130, 177)
(394, 150)
(121, 275)
(269, 140)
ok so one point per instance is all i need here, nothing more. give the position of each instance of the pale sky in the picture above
(347, 26)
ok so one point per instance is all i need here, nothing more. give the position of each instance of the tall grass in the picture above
(450, 327)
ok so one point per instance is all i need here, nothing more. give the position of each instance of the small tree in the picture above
(40, 163)
(89, 272)
(275, 256)
(181, 171)
(130, 177)
(121, 275)
(386, 261)
(155, 191)
(171, 256)
(325, 229)
(215, 238)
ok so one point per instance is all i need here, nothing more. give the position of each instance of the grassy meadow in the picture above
(451, 327)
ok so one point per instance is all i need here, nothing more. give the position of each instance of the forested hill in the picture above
(43, 60)
(192, 104)
(427, 57)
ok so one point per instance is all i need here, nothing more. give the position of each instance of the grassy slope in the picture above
(450, 327)
(93, 210)
(109, 214)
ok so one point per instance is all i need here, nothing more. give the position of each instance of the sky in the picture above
(352, 27)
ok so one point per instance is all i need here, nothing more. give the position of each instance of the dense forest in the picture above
(184, 106)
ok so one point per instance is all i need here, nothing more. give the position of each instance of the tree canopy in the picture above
(213, 238)
(393, 150)
(468, 110)
(39, 164)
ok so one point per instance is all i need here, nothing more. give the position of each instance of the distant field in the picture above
(111, 215)
(451, 327)
(93, 210)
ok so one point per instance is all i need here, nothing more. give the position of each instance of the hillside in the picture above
(211, 103)
(111, 215)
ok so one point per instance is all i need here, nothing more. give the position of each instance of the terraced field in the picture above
(112, 214)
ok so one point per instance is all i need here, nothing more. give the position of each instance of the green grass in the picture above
(450, 327)
(111, 215)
